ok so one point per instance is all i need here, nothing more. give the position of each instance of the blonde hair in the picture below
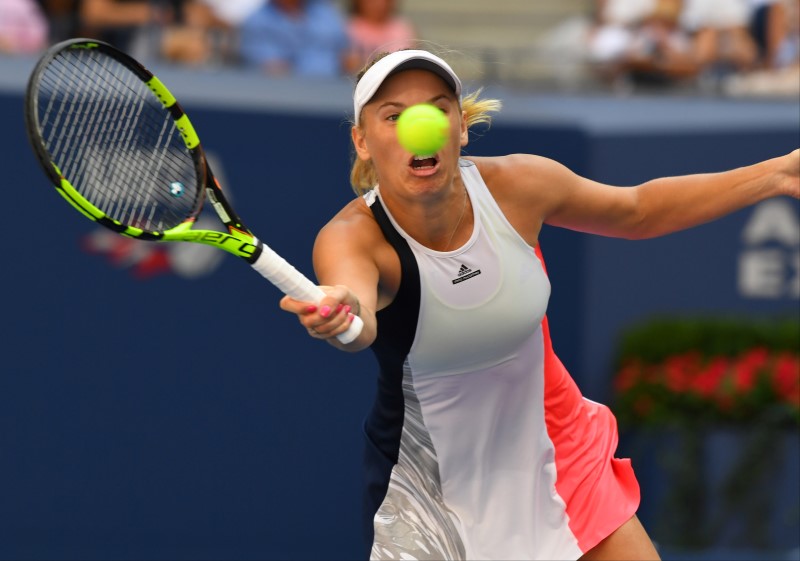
(363, 176)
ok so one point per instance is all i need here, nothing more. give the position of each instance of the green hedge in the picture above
(697, 370)
(654, 341)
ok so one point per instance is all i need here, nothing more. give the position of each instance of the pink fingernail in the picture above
(339, 308)
(347, 309)
(311, 309)
(350, 318)
(325, 311)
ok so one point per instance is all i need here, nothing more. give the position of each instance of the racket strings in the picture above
(115, 142)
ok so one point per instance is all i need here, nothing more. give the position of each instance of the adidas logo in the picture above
(465, 273)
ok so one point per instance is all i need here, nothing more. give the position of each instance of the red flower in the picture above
(679, 371)
(684, 384)
(628, 376)
(709, 381)
(711, 374)
(747, 367)
(786, 377)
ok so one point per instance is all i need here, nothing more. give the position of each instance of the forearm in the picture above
(671, 204)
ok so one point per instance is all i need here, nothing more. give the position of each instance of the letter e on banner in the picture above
(769, 264)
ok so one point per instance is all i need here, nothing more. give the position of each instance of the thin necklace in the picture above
(460, 218)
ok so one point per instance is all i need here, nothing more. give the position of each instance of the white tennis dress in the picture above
(480, 445)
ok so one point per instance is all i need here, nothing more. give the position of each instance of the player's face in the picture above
(376, 139)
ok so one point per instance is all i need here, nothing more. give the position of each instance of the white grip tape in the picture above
(293, 283)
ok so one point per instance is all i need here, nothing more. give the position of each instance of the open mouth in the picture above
(424, 162)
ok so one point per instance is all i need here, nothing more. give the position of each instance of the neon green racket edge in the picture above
(116, 144)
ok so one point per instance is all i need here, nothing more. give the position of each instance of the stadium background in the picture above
(154, 408)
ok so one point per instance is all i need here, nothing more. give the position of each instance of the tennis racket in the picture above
(119, 148)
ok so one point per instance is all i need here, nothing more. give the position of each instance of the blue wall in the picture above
(188, 418)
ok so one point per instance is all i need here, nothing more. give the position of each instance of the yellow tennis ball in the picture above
(422, 129)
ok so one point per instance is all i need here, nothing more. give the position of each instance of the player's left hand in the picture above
(788, 175)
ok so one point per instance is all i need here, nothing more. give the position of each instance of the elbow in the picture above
(639, 233)
(636, 227)
(643, 231)
(639, 224)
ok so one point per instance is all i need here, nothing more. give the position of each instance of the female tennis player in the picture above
(479, 444)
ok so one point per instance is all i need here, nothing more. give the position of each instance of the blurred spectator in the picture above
(779, 74)
(175, 30)
(640, 42)
(116, 21)
(660, 52)
(788, 52)
(721, 35)
(374, 26)
(232, 13)
(770, 28)
(300, 37)
(62, 17)
(23, 27)
(188, 37)
(227, 17)
(613, 29)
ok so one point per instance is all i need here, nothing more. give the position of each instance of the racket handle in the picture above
(293, 283)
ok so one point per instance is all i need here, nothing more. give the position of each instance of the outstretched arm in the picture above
(664, 205)
(344, 263)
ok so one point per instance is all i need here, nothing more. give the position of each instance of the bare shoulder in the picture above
(354, 221)
(527, 188)
(353, 232)
(351, 245)
(517, 170)
(522, 178)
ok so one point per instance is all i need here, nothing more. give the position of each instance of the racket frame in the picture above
(238, 240)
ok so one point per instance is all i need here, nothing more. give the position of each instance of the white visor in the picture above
(395, 62)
